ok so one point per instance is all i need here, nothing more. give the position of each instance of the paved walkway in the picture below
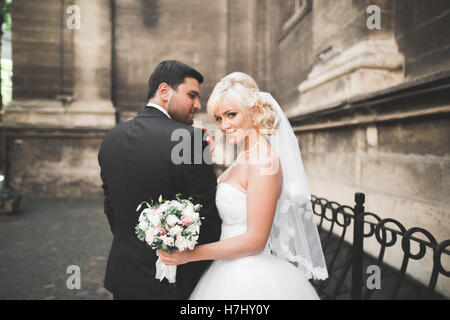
(45, 237)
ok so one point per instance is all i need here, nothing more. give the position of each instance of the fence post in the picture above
(357, 250)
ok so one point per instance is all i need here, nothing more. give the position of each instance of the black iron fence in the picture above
(348, 263)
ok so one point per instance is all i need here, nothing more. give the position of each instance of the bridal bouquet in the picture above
(169, 225)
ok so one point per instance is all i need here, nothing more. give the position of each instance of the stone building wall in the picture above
(147, 32)
(288, 57)
(423, 36)
(54, 163)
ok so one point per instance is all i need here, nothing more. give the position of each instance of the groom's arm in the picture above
(108, 209)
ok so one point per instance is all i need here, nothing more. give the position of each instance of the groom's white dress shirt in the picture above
(154, 105)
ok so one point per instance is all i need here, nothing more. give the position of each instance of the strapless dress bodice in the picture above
(232, 207)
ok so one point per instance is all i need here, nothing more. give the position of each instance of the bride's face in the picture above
(232, 122)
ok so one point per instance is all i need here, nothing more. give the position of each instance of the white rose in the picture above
(154, 220)
(143, 225)
(162, 208)
(176, 204)
(147, 211)
(172, 220)
(191, 244)
(175, 230)
(189, 212)
(193, 229)
(168, 241)
(165, 206)
(181, 243)
(149, 236)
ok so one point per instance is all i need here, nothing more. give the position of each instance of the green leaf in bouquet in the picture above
(140, 205)
(173, 211)
(197, 207)
(140, 234)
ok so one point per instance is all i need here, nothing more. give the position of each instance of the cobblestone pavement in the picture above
(43, 239)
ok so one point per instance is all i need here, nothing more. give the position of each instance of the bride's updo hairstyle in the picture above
(241, 91)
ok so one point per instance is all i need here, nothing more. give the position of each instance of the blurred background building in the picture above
(369, 104)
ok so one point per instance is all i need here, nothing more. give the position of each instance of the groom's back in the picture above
(136, 166)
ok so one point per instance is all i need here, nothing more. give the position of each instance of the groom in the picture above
(137, 164)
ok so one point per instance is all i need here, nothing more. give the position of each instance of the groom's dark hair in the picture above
(173, 73)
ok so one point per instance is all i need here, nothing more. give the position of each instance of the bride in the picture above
(269, 246)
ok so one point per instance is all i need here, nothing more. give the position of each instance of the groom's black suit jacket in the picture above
(136, 165)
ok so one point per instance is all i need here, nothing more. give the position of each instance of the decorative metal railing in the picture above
(341, 256)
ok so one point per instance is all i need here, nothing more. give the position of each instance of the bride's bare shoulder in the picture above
(266, 162)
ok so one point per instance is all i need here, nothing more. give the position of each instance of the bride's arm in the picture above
(264, 187)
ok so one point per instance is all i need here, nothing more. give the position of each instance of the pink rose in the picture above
(185, 220)
(162, 231)
(163, 208)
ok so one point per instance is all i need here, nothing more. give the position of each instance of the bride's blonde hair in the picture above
(241, 91)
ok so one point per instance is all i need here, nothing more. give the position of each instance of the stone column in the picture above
(62, 74)
(92, 65)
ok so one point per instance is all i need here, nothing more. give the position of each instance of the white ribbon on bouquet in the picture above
(164, 271)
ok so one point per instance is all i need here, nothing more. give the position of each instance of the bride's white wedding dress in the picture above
(261, 276)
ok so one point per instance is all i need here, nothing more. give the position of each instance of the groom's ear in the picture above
(164, 91)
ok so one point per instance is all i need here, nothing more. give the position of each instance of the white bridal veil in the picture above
(294, 234)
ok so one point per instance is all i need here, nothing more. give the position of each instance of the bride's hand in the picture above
(174, 258)
(209, 139)
(212, 144)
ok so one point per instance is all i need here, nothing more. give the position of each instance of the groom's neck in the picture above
(157, 101)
